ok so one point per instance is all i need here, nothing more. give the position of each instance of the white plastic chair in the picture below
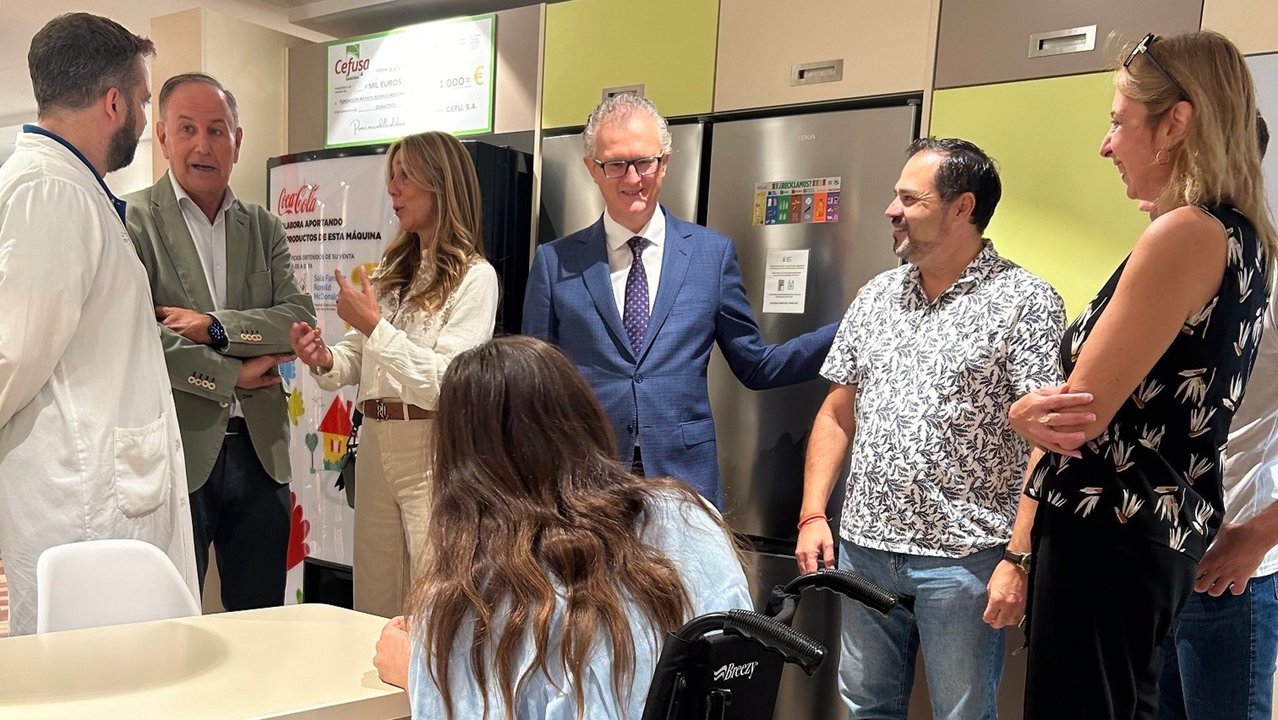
(108, 582)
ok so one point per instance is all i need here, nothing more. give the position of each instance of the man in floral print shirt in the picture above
(925, 365)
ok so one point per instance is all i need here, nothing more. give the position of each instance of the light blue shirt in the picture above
(714, 580)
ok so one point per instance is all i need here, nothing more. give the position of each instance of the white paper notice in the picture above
(785, 283)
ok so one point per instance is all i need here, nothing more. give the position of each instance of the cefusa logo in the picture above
(297, 202)
(352, 63)
(350, 66)
(732, 671)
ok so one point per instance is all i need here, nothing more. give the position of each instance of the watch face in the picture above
(217, 334)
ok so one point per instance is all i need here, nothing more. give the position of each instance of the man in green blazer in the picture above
(225, 295)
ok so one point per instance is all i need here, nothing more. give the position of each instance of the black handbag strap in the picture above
(357, 419)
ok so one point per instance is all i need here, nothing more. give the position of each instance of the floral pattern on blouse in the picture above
(1156, 469)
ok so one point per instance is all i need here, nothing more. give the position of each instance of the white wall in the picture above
(137, 175)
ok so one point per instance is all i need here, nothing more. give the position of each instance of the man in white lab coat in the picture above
(89, 440)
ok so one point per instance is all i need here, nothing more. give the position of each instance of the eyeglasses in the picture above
(1142, 48)
(614, 169)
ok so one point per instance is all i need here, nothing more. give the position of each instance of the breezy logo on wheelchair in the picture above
(732, 671)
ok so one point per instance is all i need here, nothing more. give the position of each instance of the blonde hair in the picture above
(436, 162)
(1219, 159)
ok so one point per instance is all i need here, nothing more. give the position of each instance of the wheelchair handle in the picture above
(792, 645)
(845, 583)
(685, 651)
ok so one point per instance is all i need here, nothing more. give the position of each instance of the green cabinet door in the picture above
(1064, 214)
(668, 46)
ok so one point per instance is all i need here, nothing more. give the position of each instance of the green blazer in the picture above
(262, 301)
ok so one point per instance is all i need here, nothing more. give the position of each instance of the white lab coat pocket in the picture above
(143, 467)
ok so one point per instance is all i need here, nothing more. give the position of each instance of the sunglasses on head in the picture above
(1143, 48)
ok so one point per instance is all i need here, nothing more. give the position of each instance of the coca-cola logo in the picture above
(732, 671)
(299, 201)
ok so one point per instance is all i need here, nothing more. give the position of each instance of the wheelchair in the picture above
(728, 665)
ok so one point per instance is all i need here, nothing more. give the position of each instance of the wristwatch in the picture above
(217, 334)
(1019, 559)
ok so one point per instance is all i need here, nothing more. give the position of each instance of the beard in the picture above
(124, 143)
(902, 248)
(910, 249)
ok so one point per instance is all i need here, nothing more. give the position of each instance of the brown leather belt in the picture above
(394, 410)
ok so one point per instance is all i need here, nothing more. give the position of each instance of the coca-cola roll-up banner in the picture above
(337, 217)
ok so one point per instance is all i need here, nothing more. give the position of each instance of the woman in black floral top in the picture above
(1128, 478)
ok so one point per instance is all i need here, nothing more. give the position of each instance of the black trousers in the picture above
(243, 513)
(1101, 603)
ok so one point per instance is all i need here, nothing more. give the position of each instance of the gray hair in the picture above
(178, 81)
(620, 107)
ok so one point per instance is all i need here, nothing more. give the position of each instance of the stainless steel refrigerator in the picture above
(783, 187)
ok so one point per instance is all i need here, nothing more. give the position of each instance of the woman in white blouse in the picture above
(432, 296)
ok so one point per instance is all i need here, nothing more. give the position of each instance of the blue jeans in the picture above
(1218, 663)
(962, 655)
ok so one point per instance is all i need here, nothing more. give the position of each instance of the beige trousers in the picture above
(392, 503)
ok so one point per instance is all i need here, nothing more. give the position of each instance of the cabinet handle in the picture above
(613, 91)
(1062, 42)
(816, 72)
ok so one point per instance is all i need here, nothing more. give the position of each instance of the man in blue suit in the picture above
(641, 332)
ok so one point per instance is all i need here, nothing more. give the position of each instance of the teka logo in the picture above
(299, 201)
(351, 64)
(807, 137)
(732, 671)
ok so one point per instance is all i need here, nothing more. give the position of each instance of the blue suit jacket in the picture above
(661, 391)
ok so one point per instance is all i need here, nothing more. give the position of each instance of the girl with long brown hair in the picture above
(559, 571)
(432, 297)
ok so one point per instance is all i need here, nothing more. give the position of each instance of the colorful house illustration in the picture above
(335, 429)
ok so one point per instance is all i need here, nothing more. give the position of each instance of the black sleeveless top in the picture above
(1156, 469)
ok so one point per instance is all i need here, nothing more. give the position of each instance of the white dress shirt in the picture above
(1251, 455)
(620, 256)
(210, 239)
(210, 245)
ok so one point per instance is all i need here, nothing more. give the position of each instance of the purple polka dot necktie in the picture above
(635, 315)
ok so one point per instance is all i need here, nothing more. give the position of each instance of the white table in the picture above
(301, 661)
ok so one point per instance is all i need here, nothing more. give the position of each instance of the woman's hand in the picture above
(308, 346)
(393, 653)
(1049, 418)
(357, 306)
